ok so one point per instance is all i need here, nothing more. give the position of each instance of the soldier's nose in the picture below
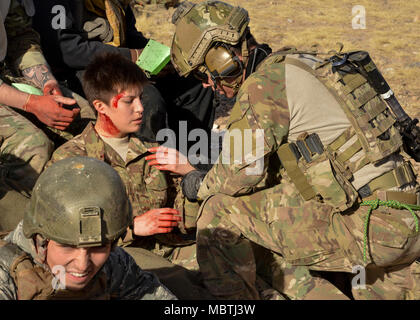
(82, 260)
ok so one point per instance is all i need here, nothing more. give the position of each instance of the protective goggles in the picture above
(220, 63)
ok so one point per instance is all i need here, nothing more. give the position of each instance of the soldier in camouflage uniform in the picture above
(76, 235)
(24, 147)
(324, 183)
(113, 139)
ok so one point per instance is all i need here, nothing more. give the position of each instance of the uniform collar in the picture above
(97, 148)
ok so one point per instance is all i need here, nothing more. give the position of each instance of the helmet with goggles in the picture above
(204, 39)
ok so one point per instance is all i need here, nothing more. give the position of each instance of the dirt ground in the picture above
(391, 34)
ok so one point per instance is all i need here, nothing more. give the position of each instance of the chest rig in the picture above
(325, 173)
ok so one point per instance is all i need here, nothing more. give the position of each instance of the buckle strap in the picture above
(288, 160)
(400, 196)
(342, 139)
(397, 177)
(350, 151)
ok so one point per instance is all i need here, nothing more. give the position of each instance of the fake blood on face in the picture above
(108, 126)
(116, 99)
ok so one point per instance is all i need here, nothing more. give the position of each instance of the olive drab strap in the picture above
(401, 175)
(29, 283)
(288, 160)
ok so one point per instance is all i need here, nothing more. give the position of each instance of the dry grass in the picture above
(392, 34)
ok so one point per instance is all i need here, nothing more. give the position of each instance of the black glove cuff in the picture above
(191, 183)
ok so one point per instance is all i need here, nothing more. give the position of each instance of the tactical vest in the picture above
(35, 283)
(325, 172)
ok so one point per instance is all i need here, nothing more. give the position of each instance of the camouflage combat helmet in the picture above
(199, 27)
(78, 201)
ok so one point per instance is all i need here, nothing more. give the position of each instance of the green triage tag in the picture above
(154, 57)
(27, 88)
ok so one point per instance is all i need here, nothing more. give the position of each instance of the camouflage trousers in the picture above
(309, 237)
(25, 148)
(185, 284)
(185, 256)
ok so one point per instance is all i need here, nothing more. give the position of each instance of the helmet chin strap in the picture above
(244, 51)
(41, 245)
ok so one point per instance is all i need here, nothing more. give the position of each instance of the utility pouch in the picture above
(315, 173)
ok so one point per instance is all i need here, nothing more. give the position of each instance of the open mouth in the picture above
(78, 277)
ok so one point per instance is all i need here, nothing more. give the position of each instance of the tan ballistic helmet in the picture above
(78, 201)
(201, 25)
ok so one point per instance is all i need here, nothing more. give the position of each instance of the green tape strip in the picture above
(27, 88)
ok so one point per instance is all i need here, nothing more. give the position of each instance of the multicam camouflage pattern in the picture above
(166, 3)
(24, 148)
(307, 234)
(226, 256)
(146, 187)
(260, 104)
(21, 277)
(199, 26)
(268, 210)
(294, 282)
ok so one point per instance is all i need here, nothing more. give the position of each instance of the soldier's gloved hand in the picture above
(155, 221)
(52, 87)
(168, 159)
(47, 109)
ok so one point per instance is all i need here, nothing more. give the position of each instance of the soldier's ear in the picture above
(100, 106)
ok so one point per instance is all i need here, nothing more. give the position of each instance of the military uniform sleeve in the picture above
(7, 286)
(71, 148)
(156, 186)
(24, 50)
(259, 124)
(128, 282)
(76, 49)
